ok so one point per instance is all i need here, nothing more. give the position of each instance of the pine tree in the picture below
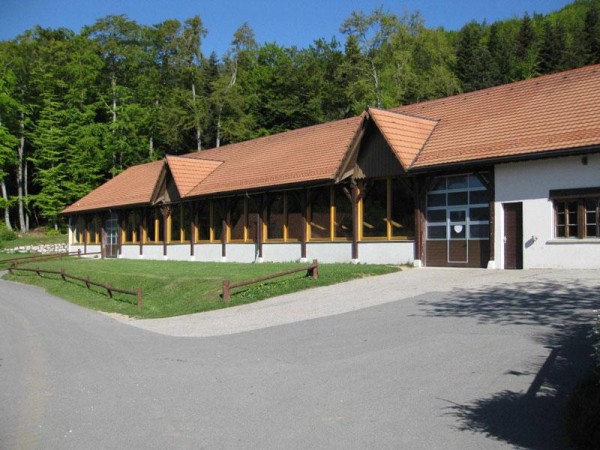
(472, 58)
(591, 32)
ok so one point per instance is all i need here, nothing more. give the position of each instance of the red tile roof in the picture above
(131, 187)
(545, 114)
(406, 135)
(304, 155)
(188, 173)
(552, 112)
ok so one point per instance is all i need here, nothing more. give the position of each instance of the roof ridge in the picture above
(507, 86)
(416, 158)
(403, 113)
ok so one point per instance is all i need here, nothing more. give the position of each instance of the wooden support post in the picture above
(78, 253)
(315, 270)
(419, 200)
(139, 297)
(37, 272)
(142, 229)
(260, 211)
(103, 239)
(193, 229)
(87, 281)
(304, 237)
(224, 235)
(109, 290)
(86, 236)
(354, 198)
(226, 290)
(62, 274)
(166, 214)
(10, 268)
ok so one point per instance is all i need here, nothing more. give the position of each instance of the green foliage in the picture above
(6, 234)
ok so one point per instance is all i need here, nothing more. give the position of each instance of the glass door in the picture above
(112, 238)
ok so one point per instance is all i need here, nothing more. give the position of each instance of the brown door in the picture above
(513, 235)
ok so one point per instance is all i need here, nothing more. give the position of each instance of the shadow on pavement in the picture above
(533, 419)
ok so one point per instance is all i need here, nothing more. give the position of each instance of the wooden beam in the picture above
(304, 208)
(355, 199)
(192, 227)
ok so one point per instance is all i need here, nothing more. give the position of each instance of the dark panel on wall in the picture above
(437, 256)
(375, 158)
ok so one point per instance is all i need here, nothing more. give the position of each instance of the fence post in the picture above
(109, 290)
(226, 293)
(79, 253)
(10, 268)
(315, 271)
(37, 272)
(62, 274)
(87, 281)
(139, 297)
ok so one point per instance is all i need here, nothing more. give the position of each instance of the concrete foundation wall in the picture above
(329, 252)
(153, 252)
(385, 252)
(207, 252)
(530, 183)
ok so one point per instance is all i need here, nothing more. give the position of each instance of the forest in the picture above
(78, 108)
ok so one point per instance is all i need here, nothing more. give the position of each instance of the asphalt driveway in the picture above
(459, 359)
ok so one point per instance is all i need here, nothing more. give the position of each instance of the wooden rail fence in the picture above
(312, 270)
(28, 259)
(64, 275)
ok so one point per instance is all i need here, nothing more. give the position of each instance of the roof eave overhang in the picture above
(105, 208)
(545, 154)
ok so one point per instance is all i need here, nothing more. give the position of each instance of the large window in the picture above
(79, 230)
(343, 214)
(320, 210)
(295, 220)
(237, 220)
(388, 210)
(94, 230)
(203, 221)
(154, 226)
(275, 218)
(458, 208)
(130, 224)
(577, 213)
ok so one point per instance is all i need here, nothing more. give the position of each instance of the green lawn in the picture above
(33, 239)
(173, 288)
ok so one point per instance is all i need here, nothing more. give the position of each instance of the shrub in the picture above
(6, 234)
(52, 232)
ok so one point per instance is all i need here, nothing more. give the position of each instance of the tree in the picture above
(554, 48)
(591, 31)
(8, 141)
(526, 50)
(473, 58)
(371, 33)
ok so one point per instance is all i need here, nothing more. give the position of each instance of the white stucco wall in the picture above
(386, 252)
(207, 252)
(329, 252)
(245, 253)
(282, 252)
(154, 251)
(530, 183)
(130, 251)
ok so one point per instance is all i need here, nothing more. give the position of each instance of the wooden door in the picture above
(513, 235)
(457, 242)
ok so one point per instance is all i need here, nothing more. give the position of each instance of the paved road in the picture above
(483, 359)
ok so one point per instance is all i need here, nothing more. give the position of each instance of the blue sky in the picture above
(282, 21)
